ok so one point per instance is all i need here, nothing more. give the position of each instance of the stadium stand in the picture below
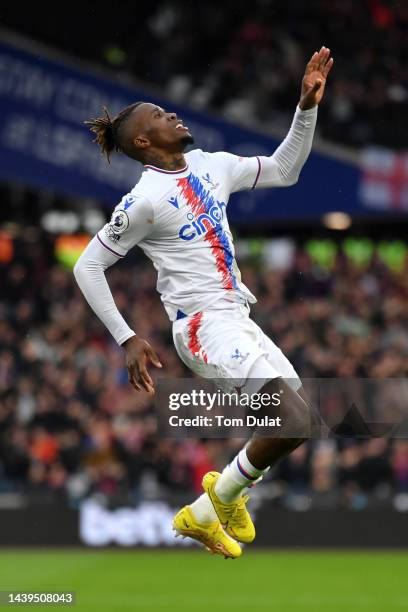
(249, 68)
(71, 426)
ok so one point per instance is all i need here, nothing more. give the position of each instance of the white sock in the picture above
(238, 475)
(203, 510)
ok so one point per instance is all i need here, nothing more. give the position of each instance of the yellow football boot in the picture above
(234, 517)
(212, 536)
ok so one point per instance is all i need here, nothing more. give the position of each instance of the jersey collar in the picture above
(148, 167)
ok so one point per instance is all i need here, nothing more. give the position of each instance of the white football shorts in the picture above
(224, 344)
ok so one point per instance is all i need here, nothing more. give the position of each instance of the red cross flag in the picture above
(384, 179)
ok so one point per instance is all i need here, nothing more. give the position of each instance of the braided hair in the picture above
(109, 132)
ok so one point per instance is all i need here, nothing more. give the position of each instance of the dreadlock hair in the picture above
(110, 134)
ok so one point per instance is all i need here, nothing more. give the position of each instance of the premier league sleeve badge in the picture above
(119, 222)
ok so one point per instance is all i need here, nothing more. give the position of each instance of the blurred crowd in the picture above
(71, 426)
(248, 64)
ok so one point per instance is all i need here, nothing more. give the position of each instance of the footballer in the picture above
(177, 214)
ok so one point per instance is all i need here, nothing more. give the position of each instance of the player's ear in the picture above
(141, 142)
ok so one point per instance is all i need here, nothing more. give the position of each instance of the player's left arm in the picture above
(283, 168)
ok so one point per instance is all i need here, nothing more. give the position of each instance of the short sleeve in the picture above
(243, 172)
(131, 222)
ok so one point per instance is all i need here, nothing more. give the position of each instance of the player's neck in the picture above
(165, 161)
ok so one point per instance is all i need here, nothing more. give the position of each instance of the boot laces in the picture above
(237, 512)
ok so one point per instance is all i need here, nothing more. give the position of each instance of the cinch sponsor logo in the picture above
(203, 223)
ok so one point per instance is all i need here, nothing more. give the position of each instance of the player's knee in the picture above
(296, 414)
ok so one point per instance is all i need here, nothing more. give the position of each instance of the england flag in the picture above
(384, 179)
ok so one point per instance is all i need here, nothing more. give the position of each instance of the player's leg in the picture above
(200, 348)
(273, 373)
(236, 330)
(260, 453)
(226, 490)
(297, 425)
(199, 520)
(201, 508)
(270, 373)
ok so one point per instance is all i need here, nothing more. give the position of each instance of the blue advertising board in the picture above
(44, 143)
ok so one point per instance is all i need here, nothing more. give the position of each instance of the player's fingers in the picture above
(323, 55)
(151, 353)
(148, 388)
(328, 67)
(146, 380)
(135, 385)
(140, 384)
(312, 63)
(140, 374)
(144, 374)
(325, 52)
(326, 58)
(312, 60)
(133, 382)
(133, 376)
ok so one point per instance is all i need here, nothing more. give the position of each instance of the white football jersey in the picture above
(179, 219)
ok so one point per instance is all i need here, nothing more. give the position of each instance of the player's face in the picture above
(163, 130)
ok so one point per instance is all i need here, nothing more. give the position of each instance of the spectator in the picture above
(71, 425)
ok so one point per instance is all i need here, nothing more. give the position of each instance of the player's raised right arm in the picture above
(283, 167)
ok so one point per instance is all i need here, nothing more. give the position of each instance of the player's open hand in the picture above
(314, 80)
(138, 353)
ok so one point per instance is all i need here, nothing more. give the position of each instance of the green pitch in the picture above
(107, 581)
